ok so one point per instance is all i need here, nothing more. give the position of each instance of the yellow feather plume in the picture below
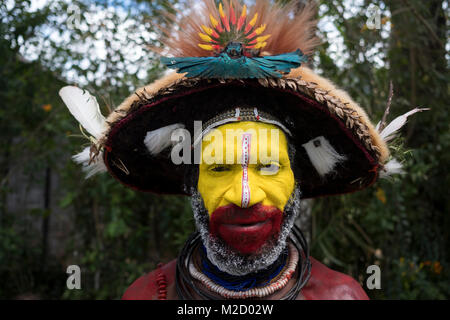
(209, 31)
(222, 14)
(263, 38)
(260, 29)
(206, 47)
(214, 22)
(253, 21)
(205, 37)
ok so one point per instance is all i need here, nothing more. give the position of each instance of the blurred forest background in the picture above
(51, 217)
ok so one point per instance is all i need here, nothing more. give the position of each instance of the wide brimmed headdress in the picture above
(234, 64)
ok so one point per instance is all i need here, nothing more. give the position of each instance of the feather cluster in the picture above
(322, 155)
(225, 67)
(205, 29)
(391, 168)
(388, 133)
(90, 167)
(84, 107)
(159, 139)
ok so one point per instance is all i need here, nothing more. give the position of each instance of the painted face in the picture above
(245, 180)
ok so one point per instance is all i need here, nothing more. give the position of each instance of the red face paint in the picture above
(246, 229)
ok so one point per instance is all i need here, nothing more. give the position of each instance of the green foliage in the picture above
(420, 280)
(115, 234)
(406, 217)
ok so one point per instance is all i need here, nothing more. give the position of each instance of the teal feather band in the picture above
(229, 65)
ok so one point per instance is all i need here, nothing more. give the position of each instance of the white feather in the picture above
(96, 166)
(322, 155)
(390, 168)
(82, 157)
(388, 133)
(85, 109)
(159, 139)
(378, 126)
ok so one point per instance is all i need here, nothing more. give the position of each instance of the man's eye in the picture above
(269, 168)
(220, 168)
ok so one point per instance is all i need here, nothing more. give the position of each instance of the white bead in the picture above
(289, 269)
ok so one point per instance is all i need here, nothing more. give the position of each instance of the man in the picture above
(247, 132)
(245, 210)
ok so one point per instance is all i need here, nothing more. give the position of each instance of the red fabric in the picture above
(324, 284)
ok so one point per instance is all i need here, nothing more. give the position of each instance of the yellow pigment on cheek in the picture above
(226, 187)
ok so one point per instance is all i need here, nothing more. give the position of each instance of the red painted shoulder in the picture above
(146, 287)
(326, 284)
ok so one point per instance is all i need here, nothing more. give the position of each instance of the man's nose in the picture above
(245, 190)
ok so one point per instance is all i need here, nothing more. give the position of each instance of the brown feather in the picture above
(289, 27)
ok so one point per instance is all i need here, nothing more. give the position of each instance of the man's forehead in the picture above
(228, 143)
(237, 129)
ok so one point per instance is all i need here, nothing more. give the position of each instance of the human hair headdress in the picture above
(233, 57)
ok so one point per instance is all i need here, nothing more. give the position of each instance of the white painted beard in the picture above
(230, 261)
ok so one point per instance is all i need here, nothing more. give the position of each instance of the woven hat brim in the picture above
(127, 159)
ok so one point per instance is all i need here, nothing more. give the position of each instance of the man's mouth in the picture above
(246, 230)
(247, 227)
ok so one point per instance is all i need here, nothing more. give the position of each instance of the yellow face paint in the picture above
(245, 163)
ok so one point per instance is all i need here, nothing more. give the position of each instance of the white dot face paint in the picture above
(246, 144)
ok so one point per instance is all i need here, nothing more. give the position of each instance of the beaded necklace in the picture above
(242, 283)
(188, 289)
(259, 292)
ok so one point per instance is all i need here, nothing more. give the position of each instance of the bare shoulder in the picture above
(327, 284)
(146, 287)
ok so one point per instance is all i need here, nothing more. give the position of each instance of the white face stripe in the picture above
(246, 141)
